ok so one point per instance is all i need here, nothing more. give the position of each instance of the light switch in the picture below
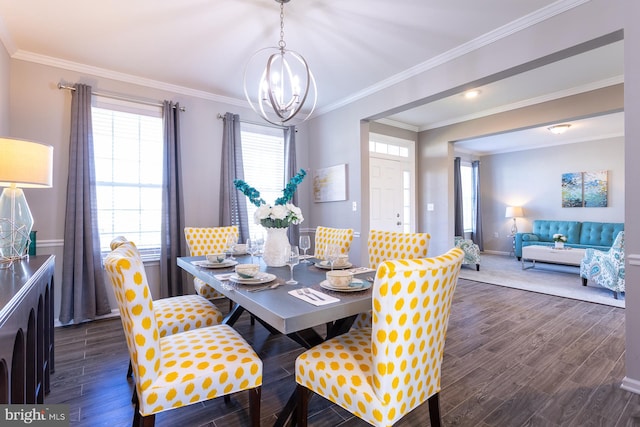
(355, 206)
(429, 206)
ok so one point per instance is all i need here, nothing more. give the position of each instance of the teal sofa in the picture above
(596, 235)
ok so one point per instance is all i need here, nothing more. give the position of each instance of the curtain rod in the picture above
(221, 117)
(119, 97)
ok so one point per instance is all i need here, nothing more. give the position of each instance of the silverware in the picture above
(312, 295)
(303, 293)
(264, 288)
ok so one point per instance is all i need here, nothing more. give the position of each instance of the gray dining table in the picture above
(283, 313)
(277, 309)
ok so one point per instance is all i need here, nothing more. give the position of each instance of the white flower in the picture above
(262, 212)
(279, 212)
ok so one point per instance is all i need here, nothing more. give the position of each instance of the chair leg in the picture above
(477, 267)
(134, 396)
(130, 370)
(584, 281)
(140, 421)
(302, 405)
(227, 399)
(254, 406)
(434, 410)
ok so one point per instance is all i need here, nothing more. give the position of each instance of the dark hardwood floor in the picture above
(512, 358)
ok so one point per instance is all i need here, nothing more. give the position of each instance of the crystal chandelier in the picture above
(285, 83)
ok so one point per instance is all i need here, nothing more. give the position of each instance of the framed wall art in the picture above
(330, 184)
(585, 189)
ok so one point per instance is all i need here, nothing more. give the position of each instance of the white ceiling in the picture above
(354, 47)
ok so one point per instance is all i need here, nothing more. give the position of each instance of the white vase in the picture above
(275, 246)
(559, 245)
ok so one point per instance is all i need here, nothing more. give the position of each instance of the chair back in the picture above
(618, 246)
(411, 306)
(208, 240)
(326, 236)
(127, 275)
(390, 245)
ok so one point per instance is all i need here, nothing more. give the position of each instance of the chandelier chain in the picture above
(282, 43)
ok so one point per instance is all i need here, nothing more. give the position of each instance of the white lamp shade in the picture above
(513, 212)
(25, 164)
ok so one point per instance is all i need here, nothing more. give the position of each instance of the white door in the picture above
(387, 208)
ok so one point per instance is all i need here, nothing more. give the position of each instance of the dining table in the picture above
(308, 312)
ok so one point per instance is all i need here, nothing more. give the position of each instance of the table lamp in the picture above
(514, 212)
(23, 164)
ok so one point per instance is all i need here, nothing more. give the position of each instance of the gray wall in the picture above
(4, 91)
(531, 179)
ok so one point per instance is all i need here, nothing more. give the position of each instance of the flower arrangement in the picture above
(282, 213)
(559, 238)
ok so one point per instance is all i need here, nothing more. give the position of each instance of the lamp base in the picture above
(514, 228)
(16, 223)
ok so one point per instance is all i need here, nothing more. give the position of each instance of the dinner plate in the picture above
(206, 264)
(326, 266)
(262, 278)
(362, 285)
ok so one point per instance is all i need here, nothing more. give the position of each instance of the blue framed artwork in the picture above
(585, 189)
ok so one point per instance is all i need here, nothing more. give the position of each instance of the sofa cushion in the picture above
(545, 229)
(600, 233)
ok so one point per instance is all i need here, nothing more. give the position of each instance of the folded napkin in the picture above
(223, 277)
(359, 270)
(316, 297)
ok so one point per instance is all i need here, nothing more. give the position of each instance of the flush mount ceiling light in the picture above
(470, 94)
(281, 80)
(558, 129)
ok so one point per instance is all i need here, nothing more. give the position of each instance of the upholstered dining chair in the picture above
(605, 268)
(325, 236)
(382, 372)
(177, 314)
(390, 245)
(207, 240)
(183, 368)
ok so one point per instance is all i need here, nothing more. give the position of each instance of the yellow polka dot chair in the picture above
(390, 245)
(383, 372)
(325, 236)
(183, 368)
(207, 240)
(178, 314)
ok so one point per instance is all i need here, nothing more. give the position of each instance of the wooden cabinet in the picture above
(26, 329)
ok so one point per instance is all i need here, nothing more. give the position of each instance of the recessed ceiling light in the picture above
(558, 129)
(471, 93)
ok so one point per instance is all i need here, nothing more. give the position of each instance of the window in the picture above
(466, 172)
(128, 152)
(263, 162)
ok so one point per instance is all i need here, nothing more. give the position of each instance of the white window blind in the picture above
(263, 163)
(128, 152)
(466, 173)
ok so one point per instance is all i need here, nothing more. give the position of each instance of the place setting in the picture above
(250, 274)
(215, 261)
(343, 281)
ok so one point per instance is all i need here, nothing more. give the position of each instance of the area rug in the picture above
(551, 279)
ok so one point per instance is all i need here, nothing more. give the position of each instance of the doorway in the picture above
(391, 183)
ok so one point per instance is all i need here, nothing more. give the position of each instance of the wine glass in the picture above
(252, 248)
(293, 259)
(332, 253)
(305, 245)
(232, 241)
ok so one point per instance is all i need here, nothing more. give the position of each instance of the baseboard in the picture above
(631, 385)
(114, 313)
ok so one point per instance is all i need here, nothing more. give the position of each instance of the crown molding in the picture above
(123, 77)
(499, 33)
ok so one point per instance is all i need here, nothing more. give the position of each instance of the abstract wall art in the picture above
(584, 189)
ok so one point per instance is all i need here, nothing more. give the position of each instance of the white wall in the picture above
(532, 178)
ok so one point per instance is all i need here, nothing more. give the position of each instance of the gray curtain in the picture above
(233, 205)
(477, 205)
(458, 213)
(83, 291)
(172, 227)
(290, 169)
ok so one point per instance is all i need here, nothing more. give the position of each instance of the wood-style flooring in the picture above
(512, 358)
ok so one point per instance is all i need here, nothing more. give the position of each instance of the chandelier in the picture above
(284, 84)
